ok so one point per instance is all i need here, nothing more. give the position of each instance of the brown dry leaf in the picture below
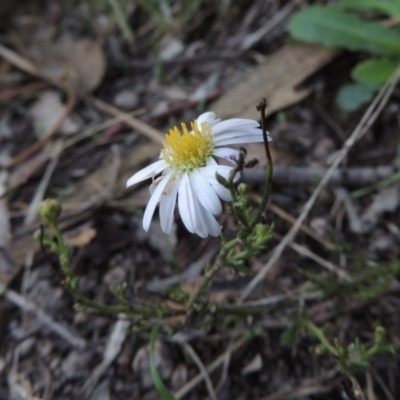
(78, 66)
(82, 238)
(276, 80)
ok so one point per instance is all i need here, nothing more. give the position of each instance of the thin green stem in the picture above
(269, 168)
(210, 273)
(322, 338)
(237, 210)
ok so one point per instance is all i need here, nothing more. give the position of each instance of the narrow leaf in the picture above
(158, 383)
(389, 7)
(375, 71)
(334, 28)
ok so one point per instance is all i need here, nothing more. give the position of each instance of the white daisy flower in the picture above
(186, 171)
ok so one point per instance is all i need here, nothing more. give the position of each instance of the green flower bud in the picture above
(380, 334)
(49, 210)
(243, 189)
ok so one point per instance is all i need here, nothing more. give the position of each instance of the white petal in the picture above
(154, 199)
(208, 117)
(200, 225)
(167, 206)
(211, 223)
(224, 171)
(186, 203)
(240, 139)
(237, 124)
(211, 161)
(210, 171)
(190, 208)
(145, 173)
(222, 192)
(227, 153)
(205, 193)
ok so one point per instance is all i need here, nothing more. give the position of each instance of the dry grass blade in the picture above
(212, 367)
(303, 392)
(27, 305)
(20, 62)
(303, 251)
(99, 127)
(141, 127)
(366, 121)
(279, 17)
(189, 349)
(111, 351)
(41, 188)
(304, 228)
(8, 94)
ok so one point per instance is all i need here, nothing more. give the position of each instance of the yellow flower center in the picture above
(190, 150)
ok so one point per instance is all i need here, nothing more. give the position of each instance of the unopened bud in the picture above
(379, 334)
(243, 189)
(49, 210)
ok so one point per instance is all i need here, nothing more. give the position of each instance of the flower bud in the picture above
(49, 210)
(243, 189)
(379, 334)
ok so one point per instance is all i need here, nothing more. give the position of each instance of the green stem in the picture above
(237, 210)
(269, 169)
(322, 338)
(219, 263)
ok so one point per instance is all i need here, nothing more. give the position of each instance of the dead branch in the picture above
(309, 176)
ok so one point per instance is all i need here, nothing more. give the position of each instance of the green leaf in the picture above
(376, 71)
(390, 7)
(334, 28)
(158, 383)
(353, 96)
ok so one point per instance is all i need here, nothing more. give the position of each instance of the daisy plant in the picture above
(189, 172)
(196, 170)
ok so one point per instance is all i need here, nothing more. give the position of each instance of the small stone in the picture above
(127, 99)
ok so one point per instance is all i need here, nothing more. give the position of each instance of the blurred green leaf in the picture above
(353, 96)
(334, 28)
(376, 71)
(158, 383)
(390, 7)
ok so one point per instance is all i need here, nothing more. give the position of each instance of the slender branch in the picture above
(269, 168)
(219, 263)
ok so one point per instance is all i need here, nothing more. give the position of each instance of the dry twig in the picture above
(27, 305)
(141, 127)
(196, 359)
